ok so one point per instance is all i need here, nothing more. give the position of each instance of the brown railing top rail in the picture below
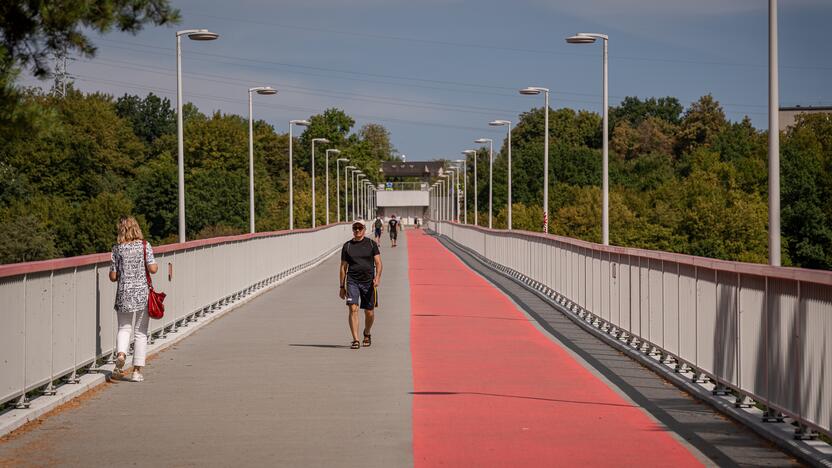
(798, 274)
(14, 269)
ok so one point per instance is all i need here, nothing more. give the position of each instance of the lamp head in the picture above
(202, 35)
(532, 90)
(265, 90)
(332, 150)
(343, 159)
(578, 39)
(320, 140)
(499, 123)
(301, 122)
(469, 152)
(482, 140)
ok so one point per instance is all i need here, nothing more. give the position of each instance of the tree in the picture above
(701, 124)
(35, 29)
(633, 111)
(151, 116)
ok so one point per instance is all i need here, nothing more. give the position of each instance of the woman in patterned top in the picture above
(127, 268)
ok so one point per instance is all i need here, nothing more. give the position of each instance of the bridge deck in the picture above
(458, 374)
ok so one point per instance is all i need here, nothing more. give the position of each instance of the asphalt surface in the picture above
(272, 383)
(723, 441)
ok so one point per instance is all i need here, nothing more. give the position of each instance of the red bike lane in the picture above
(490, 389)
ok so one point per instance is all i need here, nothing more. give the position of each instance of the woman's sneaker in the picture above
(137, 377)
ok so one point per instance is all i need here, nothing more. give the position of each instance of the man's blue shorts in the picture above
(363, 294)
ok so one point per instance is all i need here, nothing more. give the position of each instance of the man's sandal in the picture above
(368, 340)
(355, 344)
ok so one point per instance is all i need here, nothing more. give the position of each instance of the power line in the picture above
(501, 48)
(246, 62)
(172, 92)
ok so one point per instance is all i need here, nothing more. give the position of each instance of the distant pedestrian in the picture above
(378, 227)
(393, 226)
(131, 255)
(360, 275)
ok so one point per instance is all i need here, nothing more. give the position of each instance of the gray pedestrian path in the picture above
(272, 383)
(723, 441)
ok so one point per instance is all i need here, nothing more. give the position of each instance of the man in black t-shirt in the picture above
(393, 227)
(360, 275)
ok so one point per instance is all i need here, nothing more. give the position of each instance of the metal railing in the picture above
(57, 317)
(757, 331)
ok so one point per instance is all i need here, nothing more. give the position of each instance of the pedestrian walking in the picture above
(393, 227)
(131, 256)
(378, 227)
(360, 275)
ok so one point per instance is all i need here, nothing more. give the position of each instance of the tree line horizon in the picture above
(681, 180)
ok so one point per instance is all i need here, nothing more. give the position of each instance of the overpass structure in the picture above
(491, 347)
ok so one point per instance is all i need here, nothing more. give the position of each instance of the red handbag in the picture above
(155, 300)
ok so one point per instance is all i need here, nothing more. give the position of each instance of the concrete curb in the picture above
(813, 452)
(17, 418)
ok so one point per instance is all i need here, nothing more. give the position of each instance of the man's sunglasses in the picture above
(356, 229)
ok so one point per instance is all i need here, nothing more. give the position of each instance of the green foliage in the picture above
(689, 182)
(151, 117)
(35, 29)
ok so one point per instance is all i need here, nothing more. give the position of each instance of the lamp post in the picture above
(194, 35)
(338, 185)
(327, 180)
(589, 38)
(530, 91)
(453, 192)
(773, 138)
(499, 123)
(355, 174)
(347, 170)
(465, 182)
(264, 90)
(315, 140)
(490, 176)
(476, 205)
(464, 165)
(292, 123)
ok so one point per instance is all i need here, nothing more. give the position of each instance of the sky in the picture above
(435, 72)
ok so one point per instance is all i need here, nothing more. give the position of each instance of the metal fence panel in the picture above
(752, 332)
(816, 354)
(654, 302)
(706, 319)
(687, 313)
(726, 331)
(12, 336)
(63, 322)
(782, 360)
(670, 307)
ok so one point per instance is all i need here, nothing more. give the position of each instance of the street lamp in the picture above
(490, 175)
(266, 91)
(476, 205)
(302, 123)
(464, 163)
(589, 38)
(530, 91)
(773, 138)
(194, 35)
(327, 180)
(315, 140)
(338, 185)
(500, 123)
(454, 180)
(347, 172)
(354, 173)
